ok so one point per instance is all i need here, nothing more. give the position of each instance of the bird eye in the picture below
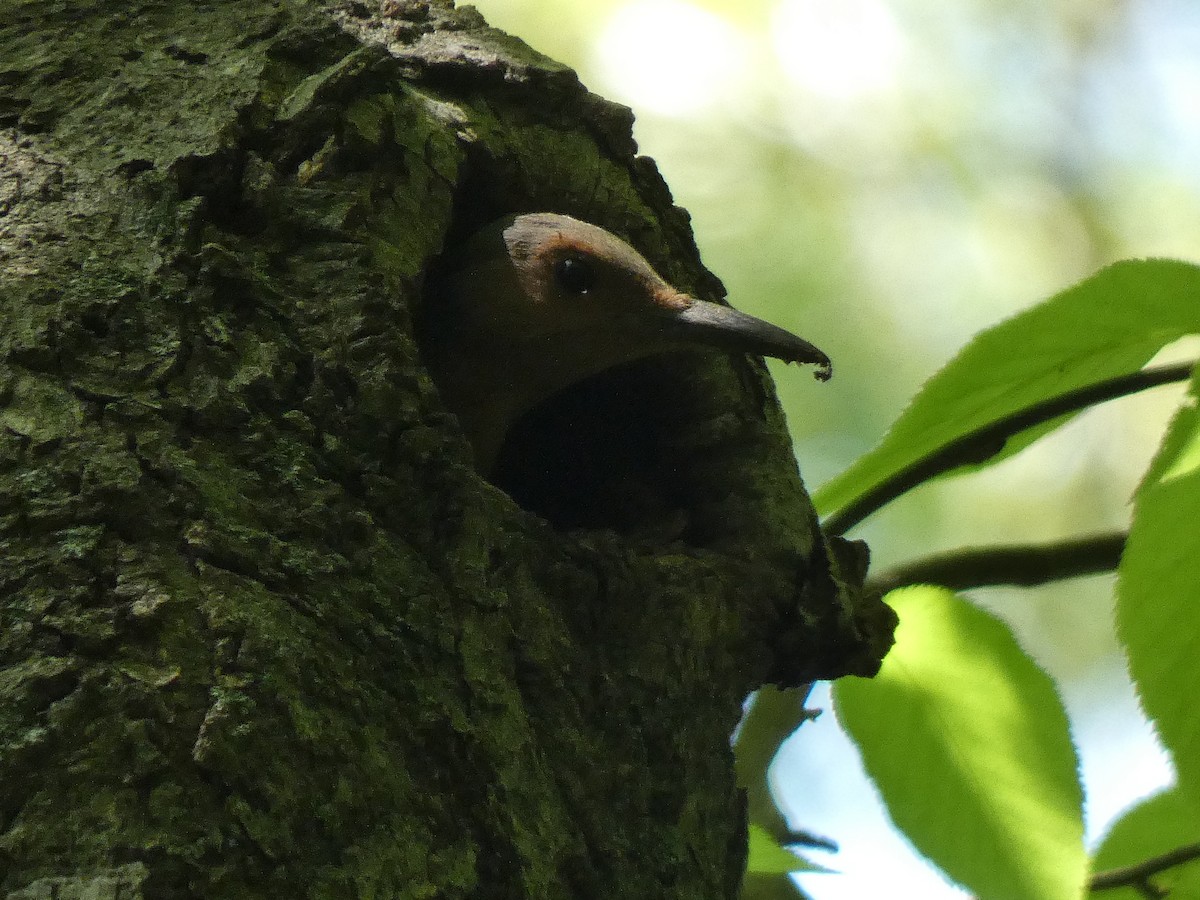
(575, 274)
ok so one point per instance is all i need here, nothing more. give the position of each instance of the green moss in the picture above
(262, 626)
(40, 410)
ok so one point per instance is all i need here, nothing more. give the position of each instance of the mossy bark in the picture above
(264, 631)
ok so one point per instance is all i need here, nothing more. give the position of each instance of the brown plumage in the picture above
(537, 302)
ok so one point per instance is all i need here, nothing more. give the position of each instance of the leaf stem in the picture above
(983, 443)
(1138, 875)
(1014, 564)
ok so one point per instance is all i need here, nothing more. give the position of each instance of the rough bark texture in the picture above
(264, 632)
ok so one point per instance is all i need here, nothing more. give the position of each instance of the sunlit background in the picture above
(886, 177)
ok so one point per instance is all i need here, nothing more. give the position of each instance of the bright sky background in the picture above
(886, 177)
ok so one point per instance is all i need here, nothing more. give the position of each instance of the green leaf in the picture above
(1153, 827)
(768, 858)
(773, 716)
(760, 886)
(967, 741)
(1158, 618)
(1110, 324)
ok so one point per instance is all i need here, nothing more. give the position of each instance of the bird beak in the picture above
(702, 322)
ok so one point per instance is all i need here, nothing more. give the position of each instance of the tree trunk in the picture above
(264, 630)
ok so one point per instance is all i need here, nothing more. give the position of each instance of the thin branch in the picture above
(801, 838)
(1138, 875)
(1016, 564)
(988, 440)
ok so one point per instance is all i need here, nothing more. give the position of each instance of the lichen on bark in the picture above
(264, 631)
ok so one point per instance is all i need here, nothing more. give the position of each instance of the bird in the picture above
(537, 302)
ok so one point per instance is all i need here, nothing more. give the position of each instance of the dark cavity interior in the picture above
(605, 454)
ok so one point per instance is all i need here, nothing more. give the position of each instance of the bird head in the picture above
(537, 302)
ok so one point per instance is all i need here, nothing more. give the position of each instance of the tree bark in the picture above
(264, 631)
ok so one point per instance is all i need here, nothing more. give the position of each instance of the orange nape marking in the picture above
(604, 247)
(560, 241)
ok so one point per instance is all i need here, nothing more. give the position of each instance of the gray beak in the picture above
(724, 327)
